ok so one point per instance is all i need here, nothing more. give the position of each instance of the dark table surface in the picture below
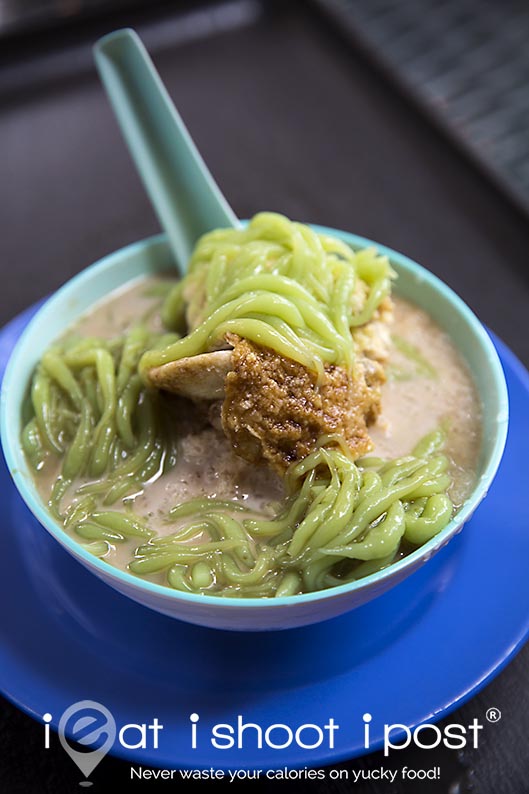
(289, 118)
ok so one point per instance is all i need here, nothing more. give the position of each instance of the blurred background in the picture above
(405, 121)
(465, 61)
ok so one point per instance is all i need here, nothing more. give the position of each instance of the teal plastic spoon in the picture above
(186, 198)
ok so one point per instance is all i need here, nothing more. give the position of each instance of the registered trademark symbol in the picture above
(493, 715)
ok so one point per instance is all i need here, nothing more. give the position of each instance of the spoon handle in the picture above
(185, 196)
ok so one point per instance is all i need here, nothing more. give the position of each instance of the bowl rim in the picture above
(19, 470)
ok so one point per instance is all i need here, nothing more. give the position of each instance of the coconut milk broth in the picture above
(414, 403)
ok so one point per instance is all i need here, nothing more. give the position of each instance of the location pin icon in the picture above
(91, 725)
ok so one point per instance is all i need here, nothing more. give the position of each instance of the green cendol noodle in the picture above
(281, 285)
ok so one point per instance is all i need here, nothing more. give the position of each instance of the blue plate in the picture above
(409, 657)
